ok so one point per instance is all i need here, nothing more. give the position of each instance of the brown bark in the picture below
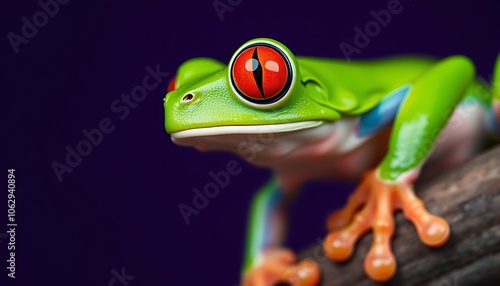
(468, 197)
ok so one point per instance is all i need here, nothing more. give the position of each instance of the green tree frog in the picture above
(382, 122)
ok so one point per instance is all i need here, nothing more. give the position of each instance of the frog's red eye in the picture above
(261, 74)
(171, 84)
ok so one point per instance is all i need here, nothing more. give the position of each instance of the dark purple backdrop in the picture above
(119, 207)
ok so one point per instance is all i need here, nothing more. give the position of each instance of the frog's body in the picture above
(335, 150)
(331, 119)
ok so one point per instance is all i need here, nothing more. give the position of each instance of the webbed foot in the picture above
(379, 200)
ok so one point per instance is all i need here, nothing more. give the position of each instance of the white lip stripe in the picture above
(245, 129)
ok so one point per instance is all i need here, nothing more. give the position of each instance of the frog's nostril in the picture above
(187, 97)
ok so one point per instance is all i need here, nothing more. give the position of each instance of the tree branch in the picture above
(468, 197)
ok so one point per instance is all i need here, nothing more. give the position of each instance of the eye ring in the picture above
(276, 75)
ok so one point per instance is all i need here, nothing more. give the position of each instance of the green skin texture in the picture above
(327, 89)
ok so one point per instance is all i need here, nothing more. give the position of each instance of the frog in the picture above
(382, 124)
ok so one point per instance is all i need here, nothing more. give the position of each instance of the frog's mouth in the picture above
(277, 137)
(244, 129)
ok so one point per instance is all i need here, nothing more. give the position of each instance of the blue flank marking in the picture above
(273, 199)
(383, 113)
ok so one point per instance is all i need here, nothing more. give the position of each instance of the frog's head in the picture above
(259, 91)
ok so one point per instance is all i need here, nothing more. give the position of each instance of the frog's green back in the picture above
(354, 87)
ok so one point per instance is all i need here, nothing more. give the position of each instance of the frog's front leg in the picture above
(266, 262)
(420, 119)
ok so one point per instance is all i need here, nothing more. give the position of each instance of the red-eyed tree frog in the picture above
(382, 122)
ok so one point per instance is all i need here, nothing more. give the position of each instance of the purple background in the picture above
(119, 207)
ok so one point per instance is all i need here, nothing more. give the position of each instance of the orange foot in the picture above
(278, 266)
(380, 199)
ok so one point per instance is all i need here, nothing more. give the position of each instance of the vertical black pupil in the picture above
(257, 73)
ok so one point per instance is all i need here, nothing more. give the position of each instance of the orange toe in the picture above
(337, 220)
(343, 217)
(339, 245)
(380, 264)
(305, 273)
(432, 230)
